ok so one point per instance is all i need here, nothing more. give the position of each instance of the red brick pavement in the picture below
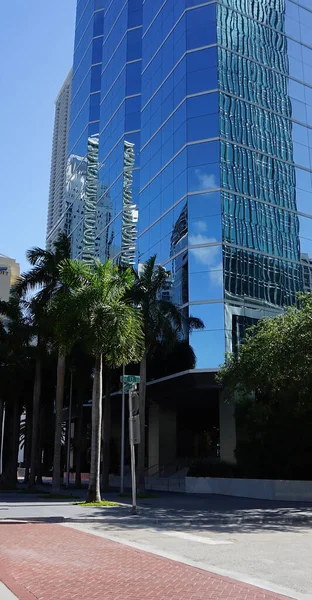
(52, 562)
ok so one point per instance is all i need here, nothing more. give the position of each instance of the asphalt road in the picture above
(260, 542)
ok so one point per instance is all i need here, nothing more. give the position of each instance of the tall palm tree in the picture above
(43, 279)
(162, 321)
(110, 326)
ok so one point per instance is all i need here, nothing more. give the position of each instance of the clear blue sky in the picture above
(36, 51)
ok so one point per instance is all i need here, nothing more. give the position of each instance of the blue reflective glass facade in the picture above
(120, 115)
(84, 113)
(216, 97)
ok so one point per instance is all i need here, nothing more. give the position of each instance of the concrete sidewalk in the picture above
(5, 593)
(51, 562)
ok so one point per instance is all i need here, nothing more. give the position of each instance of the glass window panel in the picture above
(212, 314)
(294, 49)
(207, 285)
(98, 20)
(305, 33)
(201, 27)
(203, 80)
(296, 90)
(295, 67)
(205, 177)
(304, 201)
(179, 163)
(203, 127)
(133, 82)
(207, 258)
(292, 10)
(205, 104)
(309, 115)
(300, 134)
(306, 246)
(134, 44)
(305, 16)
(179, 186)
(307, 74)
(209, 348)
(303, 179)
(292, 28)
(301, 155)
(299, 110)
(305, 228)
(96, 78)
(201, 59)
(205, 229)
(204, 205)
(205, 152)
(306, 55)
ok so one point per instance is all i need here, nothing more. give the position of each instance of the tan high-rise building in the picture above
(55, 223)
(9, 273)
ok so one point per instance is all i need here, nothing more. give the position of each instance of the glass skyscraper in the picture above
(214, 99)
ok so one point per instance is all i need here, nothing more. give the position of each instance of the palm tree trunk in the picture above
(59, 402)
(28, 429)
(78, 434)
(36, 418)
(106, 433)
(141, 448)
(94, 494)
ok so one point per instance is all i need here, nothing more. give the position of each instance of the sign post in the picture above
(130, 384)
(122, 451)
(131, 436)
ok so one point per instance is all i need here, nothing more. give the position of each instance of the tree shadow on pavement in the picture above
(206, 514)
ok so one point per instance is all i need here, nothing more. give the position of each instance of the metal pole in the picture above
(69, 427)
(133, 479)
(122, 451)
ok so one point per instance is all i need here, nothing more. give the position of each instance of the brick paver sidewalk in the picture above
(52, 562)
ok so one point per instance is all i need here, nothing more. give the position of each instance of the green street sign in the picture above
(130, 379)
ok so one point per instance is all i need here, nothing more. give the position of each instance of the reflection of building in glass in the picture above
(306, 262)
(129, 210)
(56, 205)
(179, 255)
(261, 251)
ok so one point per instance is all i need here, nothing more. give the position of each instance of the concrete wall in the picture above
(263, 489)
(159, 484)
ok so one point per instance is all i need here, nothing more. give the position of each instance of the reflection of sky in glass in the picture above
(209, 347)
(211, 314)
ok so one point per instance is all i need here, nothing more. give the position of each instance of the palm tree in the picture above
(43, 278)
(162, 322)
(110, 327)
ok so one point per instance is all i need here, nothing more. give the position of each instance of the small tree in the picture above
(110, 327)
(274, 367)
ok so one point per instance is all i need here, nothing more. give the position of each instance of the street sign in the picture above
(130, 379)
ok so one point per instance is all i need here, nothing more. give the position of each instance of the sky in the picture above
(36, 53)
